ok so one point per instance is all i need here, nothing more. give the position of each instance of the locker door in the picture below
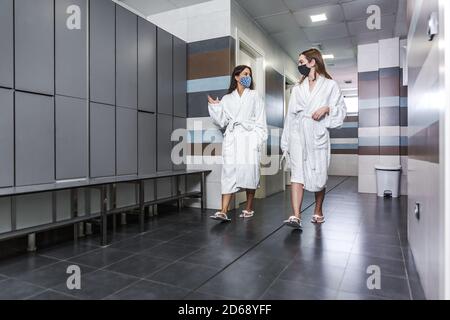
(7, 43)
(102, 137)
(35, 139)
(71, 138)
(164, 142)
(6, 138)
(179, 78)
(126, 58)
(102, 51)
(70, 50)
(126, 141)
(165, 77)
(34, 46)
(180, 123)
(147, 66)
(147, 143)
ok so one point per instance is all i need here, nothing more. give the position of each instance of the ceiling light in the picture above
(319, 17)
(328, 56)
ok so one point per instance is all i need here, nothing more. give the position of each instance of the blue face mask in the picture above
(246, 81)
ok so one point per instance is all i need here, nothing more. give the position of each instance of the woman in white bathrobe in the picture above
(242, 114)
(316, 105)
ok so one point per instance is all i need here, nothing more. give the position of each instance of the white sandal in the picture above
(247, 214)
(293, 222)
(220, 216)
(318, 219)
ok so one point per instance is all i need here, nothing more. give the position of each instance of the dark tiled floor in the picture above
(185, 255)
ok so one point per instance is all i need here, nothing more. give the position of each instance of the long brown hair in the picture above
(236, 72)
(316, 55)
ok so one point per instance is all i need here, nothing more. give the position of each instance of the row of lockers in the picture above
(54, 47)
(44, 138)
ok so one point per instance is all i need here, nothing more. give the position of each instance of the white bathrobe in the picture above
(306, 142)
(246, 131)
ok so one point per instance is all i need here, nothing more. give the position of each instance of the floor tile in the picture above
(18, 265)
(288, 290)
(145, 290)
(12, 289)
(139, 265)
(101, 257)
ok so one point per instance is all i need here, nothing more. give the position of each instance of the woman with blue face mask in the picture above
(242, 114)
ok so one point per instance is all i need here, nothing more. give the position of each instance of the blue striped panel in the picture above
(368, 104)
(387, 102)
(344, 146)
(205, 136)
(403, 102)
(369, 141)
(389, 141)
(208, 84)
(350, 125)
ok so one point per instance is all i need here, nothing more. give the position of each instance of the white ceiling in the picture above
(150, 7)
(289, 23)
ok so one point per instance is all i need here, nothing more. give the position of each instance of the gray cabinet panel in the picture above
(5, 215)
(181, 143)
(179, 78)
(165, 76)
(34, 45)
(34, 210)
(6, 138)
(164, 142)
(147, 66)
(126, 140)
(102, 51)
(102, 137)
(147, 143)
(7, 43)
(126, 58)
(71, 138)
(35, 139)
(70, 48)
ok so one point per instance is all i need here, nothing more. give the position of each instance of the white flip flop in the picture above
(220, 216)
(293, 222)
(247, 214)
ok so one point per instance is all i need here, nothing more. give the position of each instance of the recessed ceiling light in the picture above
(328, 56)
(319, 17)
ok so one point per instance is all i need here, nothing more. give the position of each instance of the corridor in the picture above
(185, 255)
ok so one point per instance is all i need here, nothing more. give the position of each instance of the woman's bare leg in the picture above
(297, 198)
(226, 199)
(320, 197)
(250, 198)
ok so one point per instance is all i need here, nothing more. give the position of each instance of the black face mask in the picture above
(304, 70)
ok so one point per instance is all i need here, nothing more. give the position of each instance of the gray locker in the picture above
(164, 142)
(126, 141)
(71, 138)
(6, 138)
(165, 76)
(7, 43)
(147, 66)
(5, 215)
(179, 78)
(102, 137)
(180, 123)
(102, 51)
(147, 143)
(35, 139)
(34, 46)
(34, 210)
(126, 58)
(70, 48)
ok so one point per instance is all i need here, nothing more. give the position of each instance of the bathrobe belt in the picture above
(306, 145)
(233, 124)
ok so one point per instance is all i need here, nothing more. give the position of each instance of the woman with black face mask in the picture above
(242, 114)
(316, 105)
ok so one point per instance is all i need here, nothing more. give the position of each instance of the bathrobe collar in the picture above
(319, 84)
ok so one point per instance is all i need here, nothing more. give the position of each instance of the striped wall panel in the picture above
(345, 140)
(210, 63)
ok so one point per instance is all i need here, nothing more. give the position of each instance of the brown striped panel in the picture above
(424, 145)
(344, 151)
(209, 64)
(390, 82)
(369, 151)
(389, 150)
(351, 119)
(369, 118)
(390, 116)
(368, 85)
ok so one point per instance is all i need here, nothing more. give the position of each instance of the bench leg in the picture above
(141, 206)
(123, 219)
(31, 243)
(104, 217)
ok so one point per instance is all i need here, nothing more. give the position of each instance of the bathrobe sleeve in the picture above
(288, 120)
(261, 122)
(338, 109)
(218, 114)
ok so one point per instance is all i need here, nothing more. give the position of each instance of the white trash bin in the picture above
(388, 181)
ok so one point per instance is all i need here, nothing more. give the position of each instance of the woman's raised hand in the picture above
(212, 101)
